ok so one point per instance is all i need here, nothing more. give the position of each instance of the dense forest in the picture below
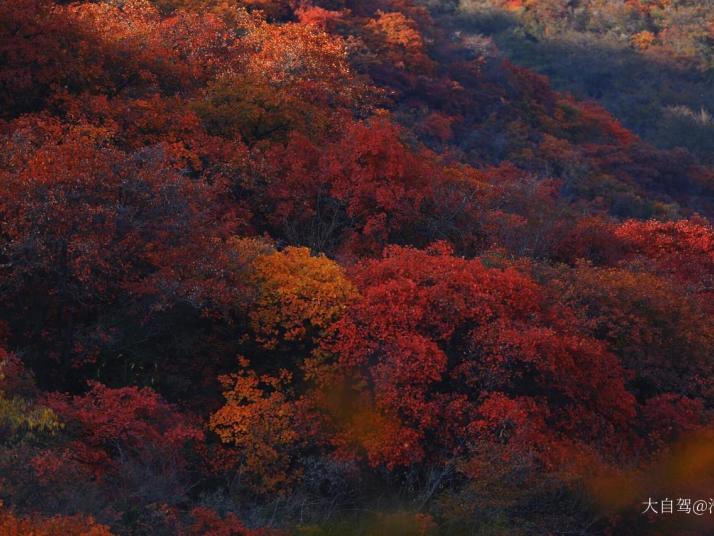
(272, 267)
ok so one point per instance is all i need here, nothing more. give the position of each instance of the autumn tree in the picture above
(367, 188)
(299, 296)
(462, 293)
(112, 423)
(682, 249)
(443, 350)
(661, 333)
(54, 51)
(28, 428)
(12, 525)
(259, 419)
(86, 225)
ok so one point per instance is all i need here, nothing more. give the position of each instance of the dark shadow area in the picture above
(666, 102)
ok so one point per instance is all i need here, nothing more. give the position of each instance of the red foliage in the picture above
(435, 332)
(11, 525)
(317, 16)
(109, 424)
(591, 239)
(439, 126)
(206, 522)
(663, 334)
(144, 146)
(667, 416)
(364, 189)
(53, 50)
(684, 249)
(88, 223)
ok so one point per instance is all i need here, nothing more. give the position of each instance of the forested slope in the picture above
(270, 268)
(650, 63)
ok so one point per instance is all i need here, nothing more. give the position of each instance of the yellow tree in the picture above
(259, 420)
(299, 296)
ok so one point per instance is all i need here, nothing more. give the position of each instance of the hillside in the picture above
(649, 63)
(273, 268)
